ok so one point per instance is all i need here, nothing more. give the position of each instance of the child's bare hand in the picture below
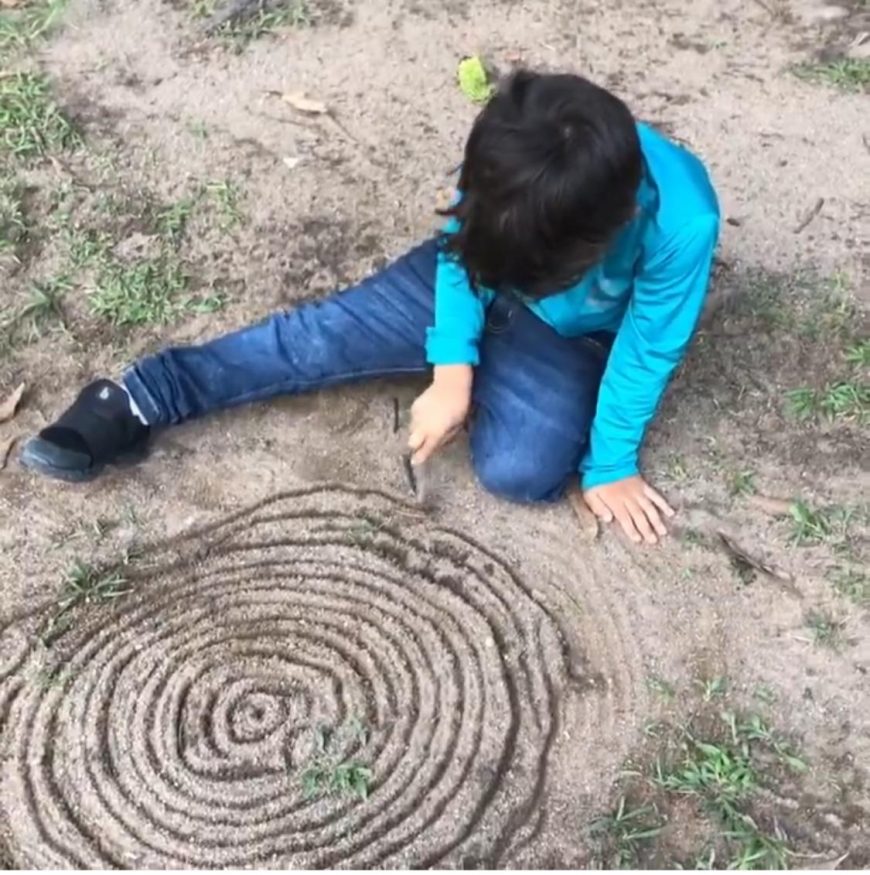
(440, 411)
(634, 504)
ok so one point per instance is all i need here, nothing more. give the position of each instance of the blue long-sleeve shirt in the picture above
(649, 289)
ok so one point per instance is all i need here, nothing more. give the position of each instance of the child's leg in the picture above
(376, 328)
(535, 394)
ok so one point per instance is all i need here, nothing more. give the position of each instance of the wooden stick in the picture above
(811, 214)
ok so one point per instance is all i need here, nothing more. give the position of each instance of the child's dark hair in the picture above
(551, 172)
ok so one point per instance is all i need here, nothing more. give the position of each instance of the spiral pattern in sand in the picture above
(189, 711)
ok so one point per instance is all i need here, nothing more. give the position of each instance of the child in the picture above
(552, 311)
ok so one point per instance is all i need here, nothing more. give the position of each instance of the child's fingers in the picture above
(624, 518)
(425, 450)
(421, 446)
(448, 436)
(642, 524)
(416, 440)
(653, 516)
(658, 500)
(598, 507)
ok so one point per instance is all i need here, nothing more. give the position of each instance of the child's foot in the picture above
(99, 429)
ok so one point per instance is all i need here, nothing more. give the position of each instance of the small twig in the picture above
(410, 475)
(811, 214)
(418, 479)
(395, 415)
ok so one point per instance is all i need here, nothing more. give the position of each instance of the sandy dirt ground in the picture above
(210, 659)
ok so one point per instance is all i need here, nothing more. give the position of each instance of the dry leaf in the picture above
(10, 405)
(772, 506)
(10, 4)
(588, 521)
(305, 104)
(5, 448)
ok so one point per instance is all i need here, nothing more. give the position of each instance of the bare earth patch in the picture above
(216, 660)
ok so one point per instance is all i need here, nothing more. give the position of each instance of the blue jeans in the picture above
(534, 390)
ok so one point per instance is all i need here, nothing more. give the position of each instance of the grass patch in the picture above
(327, 775)
(660, 687)
(844, 400)
(831, 525)
(147, 292)
(853, 585)
(268, 20)
(19, 28)
(87, 247)
(724, 771)
(808, 525)
(225, 195)
(51, 678)
(336, 779)
(764, 694)
(712, 688)
(858, 354)
(172, 220)
(802, 303)
(84, 584)
(43, 307)
(222, 195)
(624, 833)
(31, 124)
(712, 783)
(742, 483)
(772, 330)
(847, 74)
(199, 129)
(13, 223)
(825, 630)
(141, 293)
(676, 469)
(46, 302)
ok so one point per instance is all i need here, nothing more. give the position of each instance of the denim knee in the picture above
(519, 479)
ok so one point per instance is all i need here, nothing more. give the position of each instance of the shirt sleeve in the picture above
(664, 309)
(459, 313)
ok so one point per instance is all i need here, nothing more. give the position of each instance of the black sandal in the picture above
(99, 429)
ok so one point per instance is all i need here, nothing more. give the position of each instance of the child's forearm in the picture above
(455, 377)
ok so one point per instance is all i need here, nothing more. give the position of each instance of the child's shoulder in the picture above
(683, 187)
